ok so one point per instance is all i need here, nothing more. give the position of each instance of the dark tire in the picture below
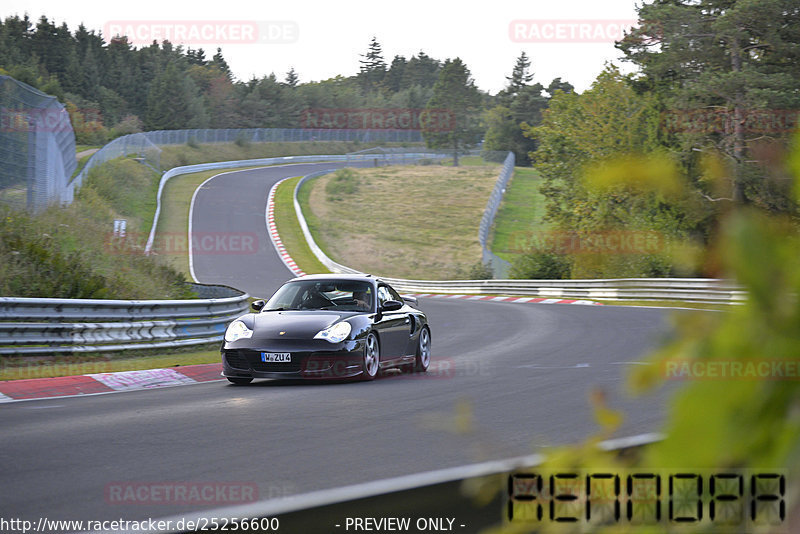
(239, 381)
(423, 359)
(372, 357)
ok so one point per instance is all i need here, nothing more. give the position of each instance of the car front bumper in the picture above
(344, 361)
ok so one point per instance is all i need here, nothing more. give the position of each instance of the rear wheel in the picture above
(239, 381)
(423, 359)
(372, 357)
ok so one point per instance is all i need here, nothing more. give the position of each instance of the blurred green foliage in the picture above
(746, 422)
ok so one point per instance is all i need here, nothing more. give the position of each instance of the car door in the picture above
(394, 327)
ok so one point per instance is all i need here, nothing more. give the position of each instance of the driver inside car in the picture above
(362, 299)
(314, 299)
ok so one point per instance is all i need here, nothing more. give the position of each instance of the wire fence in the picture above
(146, 145)
(500, 267)
(37, 146)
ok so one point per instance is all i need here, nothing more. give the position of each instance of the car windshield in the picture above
(339, 295)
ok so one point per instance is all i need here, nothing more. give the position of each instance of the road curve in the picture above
(511, 380)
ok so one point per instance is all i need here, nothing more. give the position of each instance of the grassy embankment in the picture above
(418, 222)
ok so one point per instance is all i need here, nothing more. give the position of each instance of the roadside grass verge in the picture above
(520, 215)
(289, 228)
(19, 368)
(417, 222)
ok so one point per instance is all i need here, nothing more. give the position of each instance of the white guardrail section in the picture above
(706, 290)
(34, 326)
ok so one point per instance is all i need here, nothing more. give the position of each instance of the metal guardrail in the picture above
(31, 326)
(705, 290)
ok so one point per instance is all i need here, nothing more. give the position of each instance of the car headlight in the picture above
(335, 333)
(237, 330)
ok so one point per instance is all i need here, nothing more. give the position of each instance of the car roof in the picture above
(352, 277)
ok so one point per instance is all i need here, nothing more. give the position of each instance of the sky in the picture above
(571, 39)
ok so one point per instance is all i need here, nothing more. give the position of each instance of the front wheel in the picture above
(423, 359)
(372, 357)
(239, 381)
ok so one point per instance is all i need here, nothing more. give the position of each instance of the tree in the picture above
(452, 115)
(168, 100)
(394, 76)
(520, 104)
(373, 67)
(421, 70)
(720, 55)
(520, 78)
(292, 79)
(220, 62)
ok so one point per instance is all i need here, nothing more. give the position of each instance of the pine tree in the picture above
(292, 78)
(373, 67)
(455, 97)
(520, 76)
(220, 62)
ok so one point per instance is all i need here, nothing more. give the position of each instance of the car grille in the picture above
(247, 359)
(237, 360)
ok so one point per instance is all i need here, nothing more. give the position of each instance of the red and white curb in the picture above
(533, 300)
(272, 229)
(100, 383)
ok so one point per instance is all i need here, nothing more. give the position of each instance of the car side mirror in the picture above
(391, 305)
(258, 305)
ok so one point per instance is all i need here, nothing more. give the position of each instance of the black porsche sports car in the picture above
(327, 326)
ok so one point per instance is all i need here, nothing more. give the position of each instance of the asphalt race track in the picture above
(511, 379)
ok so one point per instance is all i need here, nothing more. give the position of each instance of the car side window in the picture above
(383, 295)
(395, 295)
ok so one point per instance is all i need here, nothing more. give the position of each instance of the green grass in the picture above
(19, 368)
(290, 231)
(520, 215)
(418, 222)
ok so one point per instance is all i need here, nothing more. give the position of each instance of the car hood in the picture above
(293, 324)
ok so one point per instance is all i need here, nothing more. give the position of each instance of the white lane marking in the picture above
(5, 398)
(150, 378)
(631, 363)
(45, 407)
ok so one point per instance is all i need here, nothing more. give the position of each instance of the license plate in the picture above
(281, 357)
